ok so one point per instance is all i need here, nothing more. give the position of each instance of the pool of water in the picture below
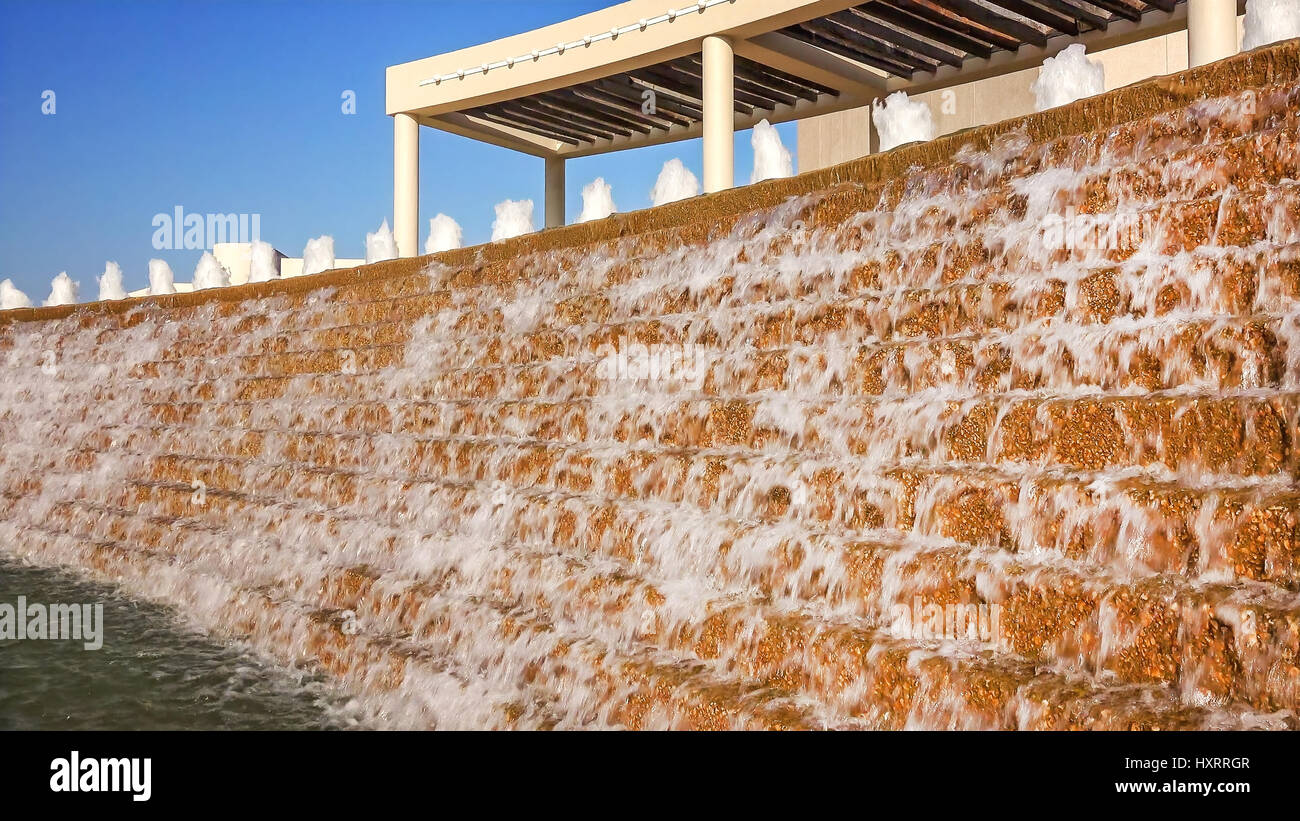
(150, 674)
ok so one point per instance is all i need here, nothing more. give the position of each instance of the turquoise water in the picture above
(150, 674)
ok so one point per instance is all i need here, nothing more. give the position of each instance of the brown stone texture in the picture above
(725, 463)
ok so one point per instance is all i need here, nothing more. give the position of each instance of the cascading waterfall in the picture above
(1004, 442)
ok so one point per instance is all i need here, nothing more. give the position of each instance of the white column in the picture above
(554, 192)
(1211, 30)
(406, 184)
(719, 114)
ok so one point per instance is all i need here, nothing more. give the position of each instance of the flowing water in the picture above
(1003, 442)
(149, 674)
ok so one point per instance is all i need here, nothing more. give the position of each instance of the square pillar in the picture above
(406, 184)
(719, 113)
(1211, 31)
(554, 192)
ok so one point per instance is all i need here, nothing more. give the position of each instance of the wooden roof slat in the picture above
(760, 95)
(792, 79)
(1083, 15)
(568, 98)
(846, 36)
(1051, 18)
(941, 27)
(803, 35)
(514, 110)
(1019, 32)
(490, 116)
(670, 86)
(1166, 6)
(562, 109)
(758, 76)
(1122, 9)
(630, 89)
(534, 108)
(600, 96)
(858, 19)
(746, 84)
(681, 111)
(681, 82)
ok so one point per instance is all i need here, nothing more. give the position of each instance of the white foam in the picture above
(209, 273)
(63, 291)
(1270, 21)
(318, 255)
(514, 218)
(161, 278)
(675, 182)
(901, 120)
(261, 263)
(110, 283)
(771, 157)
(11, 297)
(381, 245)
(444, 235)
(597, 200)
(1067, 77)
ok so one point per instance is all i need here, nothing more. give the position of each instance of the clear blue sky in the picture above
(235, 107)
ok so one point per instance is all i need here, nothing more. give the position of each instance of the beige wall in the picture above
(835, 138)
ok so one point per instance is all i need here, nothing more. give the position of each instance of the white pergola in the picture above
(645, 72)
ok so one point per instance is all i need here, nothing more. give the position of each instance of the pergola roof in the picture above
(578, 87)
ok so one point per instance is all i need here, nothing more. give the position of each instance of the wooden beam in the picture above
(762, 76)
(1082, 15)
(534, 108)
(808, 62)
(681, 110)
(565, 98)
(680, 82)
(577, 114)
(940, 25)
(849, 38)
(1043, 16)
(1163, 5)
(1019, 32)
(524, 125)
(598, 94)
(859, 21)
(850, 49)
(1120, 9)
(493, 117)
(793, 81)
(750, 92)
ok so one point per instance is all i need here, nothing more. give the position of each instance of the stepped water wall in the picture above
(996, 431)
